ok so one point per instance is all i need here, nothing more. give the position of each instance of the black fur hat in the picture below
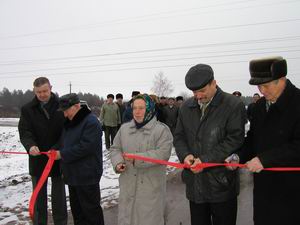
(267, 69)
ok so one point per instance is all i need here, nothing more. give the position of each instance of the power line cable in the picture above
(130, 69)
(145, 61)
(41, 61)
(154, 34)
(138, 18)
(235, 43)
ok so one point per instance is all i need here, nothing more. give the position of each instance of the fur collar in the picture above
(80, 115)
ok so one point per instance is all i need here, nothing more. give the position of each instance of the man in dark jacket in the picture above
(127, 114)
(81, 160)
(119, 98)
(250, 107)
(171, 114)
(210, 127)
(40, 127)
(274, 141)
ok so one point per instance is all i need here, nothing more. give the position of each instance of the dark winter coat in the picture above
(81, 150)
(122, 110)
(37, 128)
(213, 139)
(274, 137)
(171, 114)
(250, 111)
(127, 114)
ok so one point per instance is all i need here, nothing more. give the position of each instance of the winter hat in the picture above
(110, 96)
(198, 77)
(135, 93)
(150, 107)
(267, 69)
(119, 95)
(68, 100)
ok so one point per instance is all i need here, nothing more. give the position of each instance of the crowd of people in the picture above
(208, 127)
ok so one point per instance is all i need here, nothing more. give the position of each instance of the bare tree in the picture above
(161, 85)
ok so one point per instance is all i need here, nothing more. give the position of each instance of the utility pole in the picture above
(70, 84)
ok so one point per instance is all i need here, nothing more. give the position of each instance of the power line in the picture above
(7, 63)
(155, 34)
(130, 69)
(145, 18)
(145, 61)
(235, 43)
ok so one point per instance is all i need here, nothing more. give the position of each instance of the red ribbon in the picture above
(52, 155)
(202, 165)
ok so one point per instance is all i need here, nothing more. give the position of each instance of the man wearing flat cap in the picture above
(274, 141)
(210, 127)
(80, 152)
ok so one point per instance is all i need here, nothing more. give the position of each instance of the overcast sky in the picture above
(115, 46)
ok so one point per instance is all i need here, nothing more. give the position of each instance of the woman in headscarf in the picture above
(142, 184)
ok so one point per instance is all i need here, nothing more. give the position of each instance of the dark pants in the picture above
(110, 133)
(223, 213)
(58, 200)
(85, 204)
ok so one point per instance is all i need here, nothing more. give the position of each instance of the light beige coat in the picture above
(142, 185)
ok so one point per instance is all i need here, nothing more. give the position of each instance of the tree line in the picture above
(12, 101)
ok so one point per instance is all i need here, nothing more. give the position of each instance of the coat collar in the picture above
(80, 115)
(146, 129)
(193, 103)
(35, 102)
(285, 98)
(282, 102)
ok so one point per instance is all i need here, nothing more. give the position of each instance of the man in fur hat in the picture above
(274, 141)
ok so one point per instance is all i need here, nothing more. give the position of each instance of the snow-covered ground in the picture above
(15, 183)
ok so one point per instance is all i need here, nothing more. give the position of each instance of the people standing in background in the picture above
(171, 114)
(161, 109)
(179, 101)
(159, 114)
(110, 118)
(40, 127)
(250, 107)
(119, 98)
(127, 115)
(237, 94)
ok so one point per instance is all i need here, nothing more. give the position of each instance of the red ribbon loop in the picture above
(52, 156)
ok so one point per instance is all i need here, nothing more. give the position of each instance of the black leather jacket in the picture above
(219, 134)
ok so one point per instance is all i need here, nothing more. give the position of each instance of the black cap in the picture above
(68, 100)
(267, 69)
(119, 95)
(178, 98)
(198, 77)
(237, 93)
(135, 93)
(110, 96)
